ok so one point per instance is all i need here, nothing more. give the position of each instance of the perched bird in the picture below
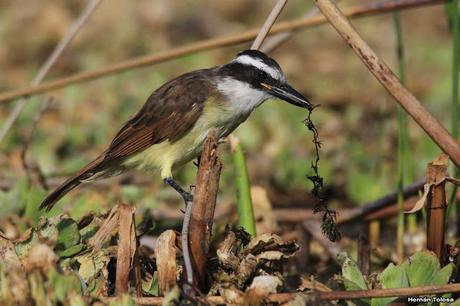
(171, 127)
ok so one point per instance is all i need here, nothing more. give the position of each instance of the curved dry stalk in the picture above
(388, 79)
(228, 40)
(53, 57)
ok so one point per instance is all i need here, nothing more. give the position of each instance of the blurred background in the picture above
(356, 120)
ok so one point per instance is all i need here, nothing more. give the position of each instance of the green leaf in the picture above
(63, 284)
(442, 276)
(421, 268)
(124, 300)
(73, 250)
(33, 199)
(150, 286)
(352, 278)
(22, 247)
(91, 264)
(392, 277)
(351, 273)
(68, 233)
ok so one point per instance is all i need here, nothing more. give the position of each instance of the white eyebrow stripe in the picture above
(247, 60)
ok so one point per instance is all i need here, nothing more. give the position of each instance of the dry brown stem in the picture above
(204, 202)
(389, 80)
(297, 24)
(436, 204)
(364, 250)
(106, 231)
(331, 295)
(276, 11)
(126, 248)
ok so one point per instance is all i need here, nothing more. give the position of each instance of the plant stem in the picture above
(453, 15)
(243, 189)
(402, 140)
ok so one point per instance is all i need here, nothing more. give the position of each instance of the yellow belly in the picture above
(165, 156)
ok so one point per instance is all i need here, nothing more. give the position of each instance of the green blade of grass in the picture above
(453, 16)
(243, 198)
(402, 140)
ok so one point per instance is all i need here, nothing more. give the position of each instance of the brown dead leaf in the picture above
(312, 284)
(41, 257)
(165, 253)
(226, 252)
(246, 269)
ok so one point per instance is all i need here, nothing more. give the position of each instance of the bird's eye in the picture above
(262, 75)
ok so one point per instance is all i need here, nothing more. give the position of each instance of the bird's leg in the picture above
(187, 196)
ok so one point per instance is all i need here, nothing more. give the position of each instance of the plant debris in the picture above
(328, 227)
(82, 257)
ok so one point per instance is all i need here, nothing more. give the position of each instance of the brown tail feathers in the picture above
(84, 174)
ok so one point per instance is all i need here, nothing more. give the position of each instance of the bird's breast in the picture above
(217, 114)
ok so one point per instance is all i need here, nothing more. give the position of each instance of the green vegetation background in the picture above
(356, 120)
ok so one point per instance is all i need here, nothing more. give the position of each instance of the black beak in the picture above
(287, 93)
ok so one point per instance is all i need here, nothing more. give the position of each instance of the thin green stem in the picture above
(453, 15)
(243, 202)
(402, 140)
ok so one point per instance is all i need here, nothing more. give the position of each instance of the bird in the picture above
(170, 128)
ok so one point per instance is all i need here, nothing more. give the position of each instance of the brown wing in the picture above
(168, 113)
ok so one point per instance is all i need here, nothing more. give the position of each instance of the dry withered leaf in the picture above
(15, 288)
(226, 252)
(266, 283)
(312, 284)
(271, 242)
(246, 269)
(165, 253)
(41, 257)
(231, 295)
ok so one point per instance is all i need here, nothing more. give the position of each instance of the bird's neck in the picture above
(240, 96)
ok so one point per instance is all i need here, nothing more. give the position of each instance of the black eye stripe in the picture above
(247, 73)
(262, 75)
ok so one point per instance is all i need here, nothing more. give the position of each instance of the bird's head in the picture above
(253, 73)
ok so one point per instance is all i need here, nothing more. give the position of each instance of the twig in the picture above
(66, 39)
(276, 11)
(282, 298)
(388, 79)
(276, 40)
(126, 248)
(297, 24)
(394, 292)
(106, 231)
(379, 204)
(184, 242)
(204, 203)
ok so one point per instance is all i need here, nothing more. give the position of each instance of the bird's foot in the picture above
(187, 196)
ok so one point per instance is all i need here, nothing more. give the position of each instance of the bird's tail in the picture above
(85, 174)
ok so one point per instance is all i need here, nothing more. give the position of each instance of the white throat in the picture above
(242, 97)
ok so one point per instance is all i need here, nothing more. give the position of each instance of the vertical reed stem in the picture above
(243, 189)
(402, 140)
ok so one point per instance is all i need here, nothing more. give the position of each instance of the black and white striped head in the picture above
(253, 77)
